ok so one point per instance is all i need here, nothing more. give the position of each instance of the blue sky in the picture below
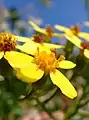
(64, 12)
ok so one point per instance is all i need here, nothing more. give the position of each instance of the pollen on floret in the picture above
(75, 29)
(47, 61)
(7, 41)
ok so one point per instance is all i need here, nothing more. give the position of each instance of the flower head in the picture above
(49, 31)
(85, 50)
(46, 31)
(31, 45)
(84, 46)
(73, 30)
(8, 43)
(38, 38)
(45, 62)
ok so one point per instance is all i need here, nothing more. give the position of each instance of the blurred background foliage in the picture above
(41, 100)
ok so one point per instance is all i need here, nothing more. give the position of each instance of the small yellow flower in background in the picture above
(72, 35)
(46, 31)
(8, 43)
(73, 30)
(45, 62)
(84, 46)
(31, 45)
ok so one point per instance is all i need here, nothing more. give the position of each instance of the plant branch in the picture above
(47, 100)
(44, 108)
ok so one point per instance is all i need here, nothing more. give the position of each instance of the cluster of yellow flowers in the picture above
(38, 58)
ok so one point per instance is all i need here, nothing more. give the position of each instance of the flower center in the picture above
(7, 41)
(47, 62)
(39, 38)
(85, 45)
(75, 29)
(49, 30)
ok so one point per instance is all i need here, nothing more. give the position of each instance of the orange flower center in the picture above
(47, 62)
(85, 45)
(49, 31)
(7, 41)
(75, 29)
(39, 38)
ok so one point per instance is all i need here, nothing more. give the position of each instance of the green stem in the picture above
(51, 96)
(72, 112)
(27, 96)
(44, 108)
(83, 113)
(78, 105)
(82, 105)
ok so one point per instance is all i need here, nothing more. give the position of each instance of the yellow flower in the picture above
(8, 43)
(73, 30)
(31, 45)
(45, 62)
(72, 35)
(48, 31)
(82, 45)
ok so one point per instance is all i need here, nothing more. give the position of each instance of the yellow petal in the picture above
(49, 45)
(84, 35)
(32, 72)
(1, 54)
(75, 40)
(86, 53)
(17, 59)
(26, 79)
(37, 28)
(42, 47)
(29, 47)
(58, 35)
(62, 28)
(63, 83)
(65, 64)
(23, 39)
